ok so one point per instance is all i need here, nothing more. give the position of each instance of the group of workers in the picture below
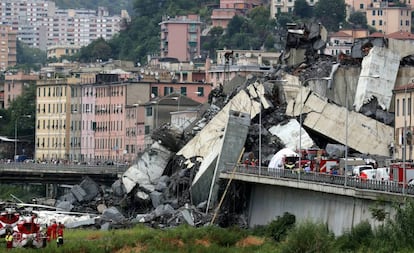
(54, 231)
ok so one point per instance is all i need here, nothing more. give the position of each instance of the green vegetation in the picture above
(283, 235)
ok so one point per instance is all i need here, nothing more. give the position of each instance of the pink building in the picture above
(222, 17)
(239, 4)
(180, 37)
(196, 91)
(14, 85)
(88, 123)
(229, 8)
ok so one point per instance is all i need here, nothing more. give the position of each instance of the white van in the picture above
(356, 170)
(383, 174)
(370, 174)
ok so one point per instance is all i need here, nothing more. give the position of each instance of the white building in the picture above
(41, 24)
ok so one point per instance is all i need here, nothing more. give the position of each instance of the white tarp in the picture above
(277, 160)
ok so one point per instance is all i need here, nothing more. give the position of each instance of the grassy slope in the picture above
(144, 239)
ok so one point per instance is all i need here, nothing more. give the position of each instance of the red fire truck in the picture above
(397, 172)
(318, 159)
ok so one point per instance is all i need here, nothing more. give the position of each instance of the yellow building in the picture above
(52, 119)
(403, 121)
(61, 50)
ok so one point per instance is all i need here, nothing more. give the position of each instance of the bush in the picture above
(359, 237)
(309, 237)
(278, 228)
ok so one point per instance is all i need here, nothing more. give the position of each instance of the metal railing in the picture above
(325, 178)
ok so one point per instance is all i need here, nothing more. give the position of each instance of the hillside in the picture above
(114, 7)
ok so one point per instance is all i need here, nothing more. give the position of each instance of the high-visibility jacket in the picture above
(9, 238)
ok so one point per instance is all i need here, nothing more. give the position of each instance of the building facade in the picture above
(39, 23)
(285, 6)
(8, 53)
(389, 19)
(14, 85)
(180, 37)
(404, 122)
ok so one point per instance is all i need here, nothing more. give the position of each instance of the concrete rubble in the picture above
(177, 180)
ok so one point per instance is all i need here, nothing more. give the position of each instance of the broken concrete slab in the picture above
(78, 192)
(289, 133)
(366, 135)
(118, 189)
(90, 187)
(156, 198)
(65, 205)
(69, 197)
(377, 78)
(162, 210)
(113, 214)
(148, 169)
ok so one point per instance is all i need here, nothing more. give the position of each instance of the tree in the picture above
(330, 13)
(358, 20)
(302, 9)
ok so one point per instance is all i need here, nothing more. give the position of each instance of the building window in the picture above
(398, 107)
(373, 23)
(154, 91)
(183, 91)
(148, 111)
(200, 91)
(380, 22)
(361, 6)
(147, 130)
(373, 12)
(403, 107)
(409, 106)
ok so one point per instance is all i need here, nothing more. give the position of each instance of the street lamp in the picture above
(300, 117)
(15, 132)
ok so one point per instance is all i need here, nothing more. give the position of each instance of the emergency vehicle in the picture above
(397, 172)
(318, 159)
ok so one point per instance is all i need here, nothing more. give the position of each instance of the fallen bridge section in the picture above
(365, 135)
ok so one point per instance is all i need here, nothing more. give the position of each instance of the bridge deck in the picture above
(337, 184)
(62, 174)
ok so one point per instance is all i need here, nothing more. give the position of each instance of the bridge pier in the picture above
(51, 190)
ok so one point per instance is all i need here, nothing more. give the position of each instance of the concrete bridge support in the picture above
(340, 213)
(51, 190)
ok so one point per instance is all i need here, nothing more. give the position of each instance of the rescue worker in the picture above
(9, 240)
(54, 229)
(59, 240)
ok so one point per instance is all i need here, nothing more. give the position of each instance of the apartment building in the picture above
(8, 38)
(229, 8)
(341, 42)
(403, 107)
(39, 23)
(53, 117)
(285, 6)
(180, 37)
(389, 18)
(14, 85)
(57, 51)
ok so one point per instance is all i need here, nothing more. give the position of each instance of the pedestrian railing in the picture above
(325, 178)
